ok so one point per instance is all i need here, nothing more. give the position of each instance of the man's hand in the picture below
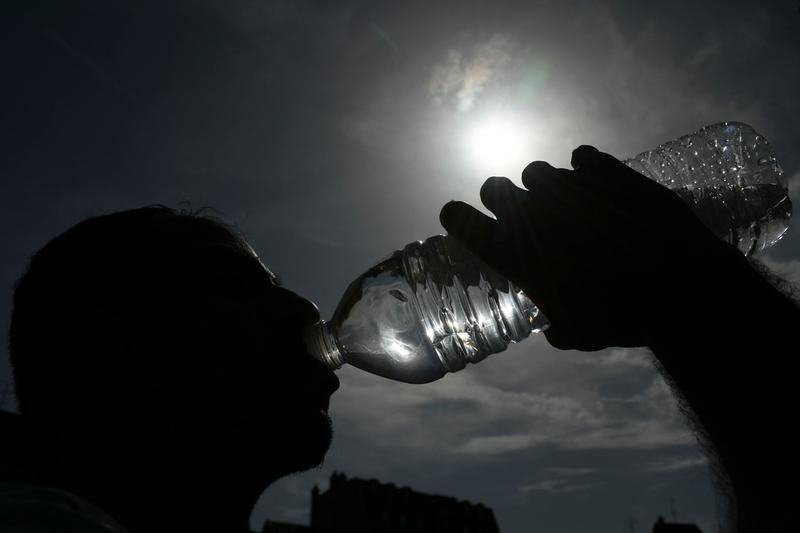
(605, 253)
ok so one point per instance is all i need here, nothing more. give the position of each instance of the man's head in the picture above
(155, 339)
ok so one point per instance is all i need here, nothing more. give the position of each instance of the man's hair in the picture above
(84, 268)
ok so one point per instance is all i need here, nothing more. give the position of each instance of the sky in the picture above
(331, 133)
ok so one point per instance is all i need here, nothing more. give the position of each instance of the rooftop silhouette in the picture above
(674, 527)
(367, 505)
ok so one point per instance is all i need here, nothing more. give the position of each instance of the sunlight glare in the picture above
(497, 146)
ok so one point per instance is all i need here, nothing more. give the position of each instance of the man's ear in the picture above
(82, 342)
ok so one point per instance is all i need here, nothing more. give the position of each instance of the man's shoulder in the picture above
(28, 508)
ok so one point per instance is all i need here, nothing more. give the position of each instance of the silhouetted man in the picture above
(161, 375)
(161, 371)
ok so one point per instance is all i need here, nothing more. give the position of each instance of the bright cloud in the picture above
(463, 77)
(488, 417)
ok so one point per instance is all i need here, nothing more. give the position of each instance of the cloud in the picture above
(633, 409)
(571, 471)
(499, 444)
(464, 76)
(788, 270)
(682, 463)
(635, 435)
(620, 358)
(557, 486)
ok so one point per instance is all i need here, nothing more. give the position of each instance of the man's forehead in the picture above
(240, 249)
(200, 239)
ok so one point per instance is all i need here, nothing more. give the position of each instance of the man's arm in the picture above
(730, 362)
(614, 259)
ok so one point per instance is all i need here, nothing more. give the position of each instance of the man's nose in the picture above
(303, 310)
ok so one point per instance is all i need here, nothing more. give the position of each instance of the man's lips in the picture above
(329, 381)
(332, 386)
(322, 383)
(333, 382)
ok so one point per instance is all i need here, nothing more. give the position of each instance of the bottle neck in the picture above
(321, 343)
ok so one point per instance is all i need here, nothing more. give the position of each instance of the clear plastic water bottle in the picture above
(425, 310)
(433, 307)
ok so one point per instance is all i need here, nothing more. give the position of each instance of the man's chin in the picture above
(308, 444)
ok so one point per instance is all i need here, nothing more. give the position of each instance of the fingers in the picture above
(589, 160)
(473, 229)
(553, 189)
(583, 155)
(588, 157)
(501, 196)
(542, 173)
(605, 172)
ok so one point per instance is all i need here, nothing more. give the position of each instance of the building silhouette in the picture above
(673, 527)
(283, 527)
(355, 505)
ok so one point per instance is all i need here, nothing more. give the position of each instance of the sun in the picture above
(497, 146)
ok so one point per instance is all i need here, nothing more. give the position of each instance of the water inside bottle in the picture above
(430, 309)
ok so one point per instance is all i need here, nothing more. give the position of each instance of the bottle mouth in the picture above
(321, 345)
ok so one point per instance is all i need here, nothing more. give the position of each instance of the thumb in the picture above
(475, 231)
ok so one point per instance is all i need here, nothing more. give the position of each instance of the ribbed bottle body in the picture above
(426, 310)
(728, 174)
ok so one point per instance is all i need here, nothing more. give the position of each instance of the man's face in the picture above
(220, 340)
